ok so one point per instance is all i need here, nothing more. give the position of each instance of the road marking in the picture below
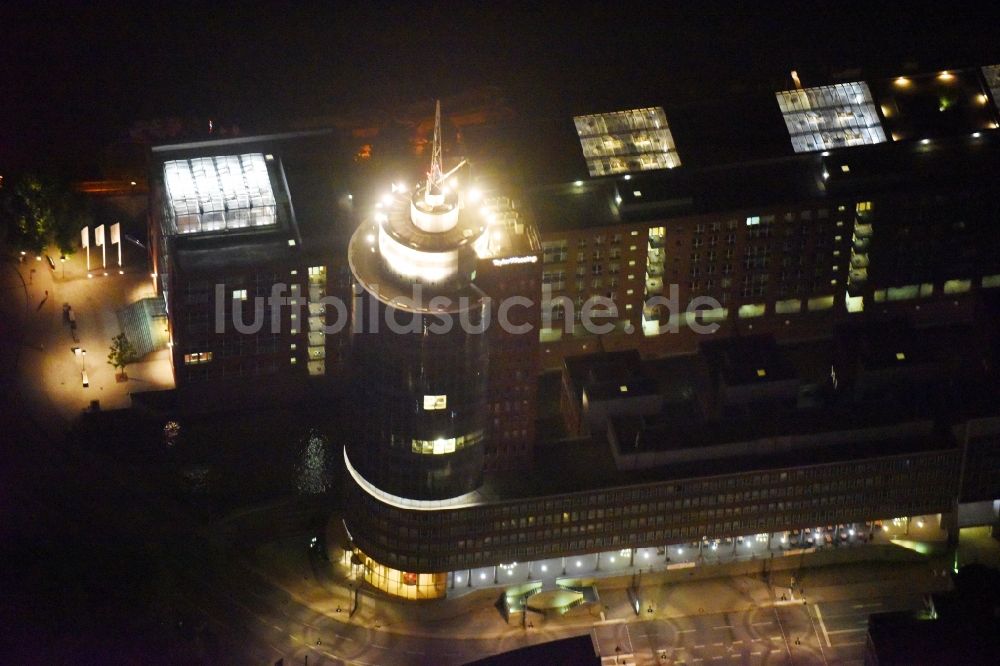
(717, 644)
(760, 624)
(737, 641)
(700, 646)
(822, 626)
(848, 631)
(724, 626)
(777, 638)
(872, 605)
(686, 631)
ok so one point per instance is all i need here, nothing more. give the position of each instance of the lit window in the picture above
(239, 294)
(623, 388)
(845, 168)
(753, 220)
(293, 360)
(197, 358)
(761, 372)
(442, 445)
(900, 356)
(433, 402)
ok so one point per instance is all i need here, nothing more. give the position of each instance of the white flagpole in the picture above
(117, 239)
(85, 242)
(99, 239)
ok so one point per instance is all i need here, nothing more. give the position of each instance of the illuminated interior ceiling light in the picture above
(982, 99)
(976, 135)
(835, 116)
(925, 141)
(946, 76)
(628, 176)
(901, 82)
(626, 141)
(578, 183)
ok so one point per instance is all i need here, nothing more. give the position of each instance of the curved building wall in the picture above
(421, 397)
(429, 537)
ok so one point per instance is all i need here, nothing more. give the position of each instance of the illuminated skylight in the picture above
(218, 193)
(830, 116)
(626, 141)
(992, 75)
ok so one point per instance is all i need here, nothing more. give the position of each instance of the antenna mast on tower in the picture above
(434, 177)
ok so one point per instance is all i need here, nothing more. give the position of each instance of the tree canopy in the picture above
(38, 210)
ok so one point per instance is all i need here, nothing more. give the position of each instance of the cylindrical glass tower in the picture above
(419, 351)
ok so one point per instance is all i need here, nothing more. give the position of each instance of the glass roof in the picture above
(219, 193)
(626, 141)
(826, 117)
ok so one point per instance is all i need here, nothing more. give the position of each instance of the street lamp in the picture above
(83, 366)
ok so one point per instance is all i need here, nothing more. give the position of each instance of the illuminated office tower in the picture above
(420, 353)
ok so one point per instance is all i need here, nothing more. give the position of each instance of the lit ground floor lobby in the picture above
(916, 532)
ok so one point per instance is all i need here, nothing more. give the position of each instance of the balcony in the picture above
(654, 286)
(316, 292)
(317, 323)
(316, 338)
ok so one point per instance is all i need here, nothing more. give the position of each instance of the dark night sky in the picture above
(73, 79)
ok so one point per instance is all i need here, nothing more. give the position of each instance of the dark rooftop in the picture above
(591, 372)
(753, 359)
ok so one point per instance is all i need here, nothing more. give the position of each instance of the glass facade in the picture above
(402, 583)
(992, 75)
(626, 141)
(827, 117)
(397, 426)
